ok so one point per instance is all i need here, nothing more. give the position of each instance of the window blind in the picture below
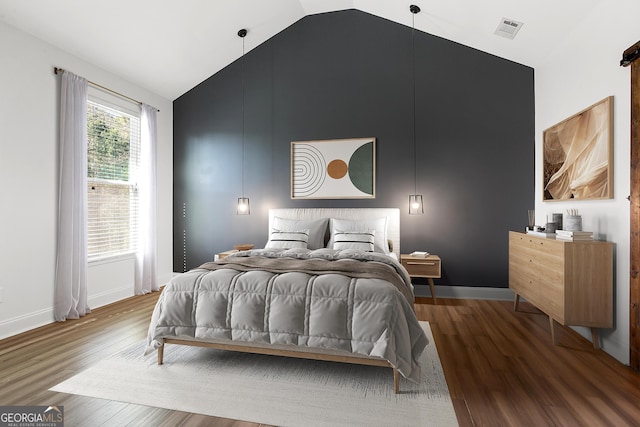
(113, 161)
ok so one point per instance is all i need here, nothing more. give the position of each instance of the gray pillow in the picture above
(317, 229)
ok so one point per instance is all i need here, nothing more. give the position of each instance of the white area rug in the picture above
(268, 389)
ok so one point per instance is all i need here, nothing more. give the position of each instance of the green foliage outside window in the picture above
(112, 197)
(109, 142)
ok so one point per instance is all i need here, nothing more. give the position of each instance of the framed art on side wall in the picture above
(578, 155)
(333, 169)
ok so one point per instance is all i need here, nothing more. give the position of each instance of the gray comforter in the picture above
(342, 300)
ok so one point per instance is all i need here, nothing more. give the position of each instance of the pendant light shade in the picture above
(243, 206)
(416, 206)
(243, 202)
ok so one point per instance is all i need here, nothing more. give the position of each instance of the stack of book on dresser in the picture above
(548, 235)
(574, 235)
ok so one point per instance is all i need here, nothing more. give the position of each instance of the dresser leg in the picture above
(595, 337)
(553, 331)
(516, 302)
(432, 287)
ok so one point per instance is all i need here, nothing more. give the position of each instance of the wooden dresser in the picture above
(570, 281)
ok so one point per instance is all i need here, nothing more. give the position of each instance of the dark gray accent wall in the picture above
(348, 74)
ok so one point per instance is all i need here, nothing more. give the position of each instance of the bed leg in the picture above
(161, 353)
(396, 381)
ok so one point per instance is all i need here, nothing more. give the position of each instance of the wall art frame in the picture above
(577, 155)
(333, 169)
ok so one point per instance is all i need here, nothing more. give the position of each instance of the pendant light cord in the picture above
(243, 60)
(413, 51)
(242, 33)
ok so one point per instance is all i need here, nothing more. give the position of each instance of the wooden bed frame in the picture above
(329, 355)
(276, 351)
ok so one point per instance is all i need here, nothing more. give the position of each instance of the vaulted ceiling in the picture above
(169, 46)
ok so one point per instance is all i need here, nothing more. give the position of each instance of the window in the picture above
(112, 168)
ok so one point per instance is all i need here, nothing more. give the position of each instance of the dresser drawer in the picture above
(422, 267)
(522, 284)
(540, 257)
(523, 242)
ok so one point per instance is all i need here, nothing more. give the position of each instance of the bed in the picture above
(326, 286)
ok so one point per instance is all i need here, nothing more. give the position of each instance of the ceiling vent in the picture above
(508, 28)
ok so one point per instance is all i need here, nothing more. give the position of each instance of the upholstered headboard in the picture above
(392, 215)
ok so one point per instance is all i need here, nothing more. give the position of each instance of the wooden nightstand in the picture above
(427, 267)
(225, 254)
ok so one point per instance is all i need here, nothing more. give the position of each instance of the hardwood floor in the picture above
(501, 368)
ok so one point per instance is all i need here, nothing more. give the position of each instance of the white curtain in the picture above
(146, 280)
(70, 290)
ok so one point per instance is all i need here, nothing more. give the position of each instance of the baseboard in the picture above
(609, 343)
(466, 292)
(25, 322)
(109, 297)
(36, 319)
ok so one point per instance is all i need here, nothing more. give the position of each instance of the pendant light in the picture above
(243, 202)
(416, 206)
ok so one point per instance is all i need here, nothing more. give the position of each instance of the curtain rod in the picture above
(57, 70)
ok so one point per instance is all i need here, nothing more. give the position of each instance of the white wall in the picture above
(578, 73)
(29, 92)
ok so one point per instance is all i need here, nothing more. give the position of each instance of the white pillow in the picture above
(358, 241)
(379, 225)
(288, 239)
(317, 229)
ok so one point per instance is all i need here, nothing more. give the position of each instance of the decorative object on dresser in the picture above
(573, 221)
(574, 235)
(531, 213)
(424, 265)
(550, 226)
(570, 281)
(542, 233)
(557, 219)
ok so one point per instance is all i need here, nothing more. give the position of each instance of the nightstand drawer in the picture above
(422, 267)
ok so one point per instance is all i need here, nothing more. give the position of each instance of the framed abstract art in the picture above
(333, 169)
(578, 155)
